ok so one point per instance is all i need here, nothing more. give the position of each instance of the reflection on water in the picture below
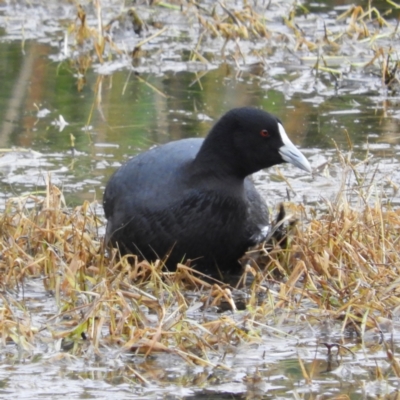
(118, 115)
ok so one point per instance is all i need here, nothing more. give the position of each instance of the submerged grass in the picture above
(341, 267)
(244, 34)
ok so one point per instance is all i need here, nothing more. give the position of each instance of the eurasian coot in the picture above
(193, 199)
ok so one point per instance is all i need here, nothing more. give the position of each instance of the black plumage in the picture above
(193, 198)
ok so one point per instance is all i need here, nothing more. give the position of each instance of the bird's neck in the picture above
(217, 155)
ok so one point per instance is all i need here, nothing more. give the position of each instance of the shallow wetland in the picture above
(85, 86)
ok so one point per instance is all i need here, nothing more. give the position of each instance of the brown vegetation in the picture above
(340, 266)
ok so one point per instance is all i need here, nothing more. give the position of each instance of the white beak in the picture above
(291, 154)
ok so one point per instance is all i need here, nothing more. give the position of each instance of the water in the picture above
(120, 108)
(134, 114)
(131, 108)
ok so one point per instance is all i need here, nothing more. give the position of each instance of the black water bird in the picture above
(193, 199)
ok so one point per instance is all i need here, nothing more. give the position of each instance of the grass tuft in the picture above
(341, 265)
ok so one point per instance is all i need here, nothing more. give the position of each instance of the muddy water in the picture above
(79, 130)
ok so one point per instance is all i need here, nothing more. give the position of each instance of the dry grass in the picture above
(342, 266)
(233, 25)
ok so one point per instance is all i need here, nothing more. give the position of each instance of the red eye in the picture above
(264, 133)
